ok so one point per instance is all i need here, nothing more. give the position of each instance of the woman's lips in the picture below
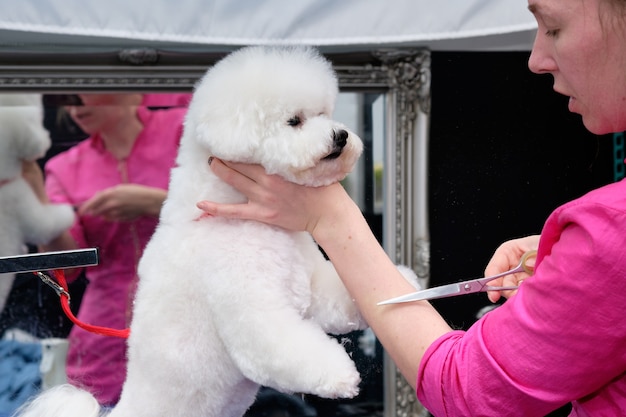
(571, 104)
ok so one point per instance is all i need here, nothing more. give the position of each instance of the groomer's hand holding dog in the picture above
(273, 200)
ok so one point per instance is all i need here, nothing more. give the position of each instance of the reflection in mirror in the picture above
(364, 112)
(91, 156)
(113, 175)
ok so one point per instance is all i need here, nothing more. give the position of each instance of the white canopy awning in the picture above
(219, 24)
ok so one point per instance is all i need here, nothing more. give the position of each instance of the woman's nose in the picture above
(540, 60)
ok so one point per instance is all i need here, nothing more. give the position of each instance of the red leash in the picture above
(60, 287)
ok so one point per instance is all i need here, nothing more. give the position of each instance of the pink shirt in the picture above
(98, 362)
(561, 339)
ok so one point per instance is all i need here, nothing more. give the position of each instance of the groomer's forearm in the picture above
(32, 174)
(405, 330)
(63, 242)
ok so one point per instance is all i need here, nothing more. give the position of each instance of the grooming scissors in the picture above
(466, 287)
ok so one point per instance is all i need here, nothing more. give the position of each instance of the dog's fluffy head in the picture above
(273, 106)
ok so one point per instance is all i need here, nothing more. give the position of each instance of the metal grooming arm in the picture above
(49, 260)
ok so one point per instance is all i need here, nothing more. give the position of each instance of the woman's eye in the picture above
(294, 121)
(552, 32)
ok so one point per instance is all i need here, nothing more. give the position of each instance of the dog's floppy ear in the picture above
(225, 116)
(230, 135)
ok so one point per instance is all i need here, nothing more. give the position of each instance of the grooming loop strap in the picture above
(60, 287)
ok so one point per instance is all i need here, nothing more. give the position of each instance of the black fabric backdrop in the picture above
(504, 152)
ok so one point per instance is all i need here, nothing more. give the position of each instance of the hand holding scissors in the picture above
(467, 287)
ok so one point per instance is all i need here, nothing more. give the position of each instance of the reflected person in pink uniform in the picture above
(117, 179)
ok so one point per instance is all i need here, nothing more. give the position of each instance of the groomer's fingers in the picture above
(270, 198)
(507, 256)
(240, 176)
(244, 178)
(233, 211)
(95, 205)
(507, 281)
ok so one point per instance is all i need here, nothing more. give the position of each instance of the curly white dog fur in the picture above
(224, 306)
(23, 219)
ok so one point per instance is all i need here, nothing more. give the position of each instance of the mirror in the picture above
(384, 97)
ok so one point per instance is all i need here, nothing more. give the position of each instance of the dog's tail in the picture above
(61, 401)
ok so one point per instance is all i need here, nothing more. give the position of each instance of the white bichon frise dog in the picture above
(225, 306)
(23, 219)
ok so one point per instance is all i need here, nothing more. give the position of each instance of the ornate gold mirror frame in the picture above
(402, 75)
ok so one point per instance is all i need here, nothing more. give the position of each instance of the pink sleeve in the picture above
(560, 338)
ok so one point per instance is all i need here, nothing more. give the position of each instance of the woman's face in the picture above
(101, 112)
(582, 44)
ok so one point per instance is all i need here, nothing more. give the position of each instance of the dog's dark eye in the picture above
(294, 121)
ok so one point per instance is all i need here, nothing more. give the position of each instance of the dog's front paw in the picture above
(343, 386)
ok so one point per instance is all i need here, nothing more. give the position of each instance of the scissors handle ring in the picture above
(525, 257)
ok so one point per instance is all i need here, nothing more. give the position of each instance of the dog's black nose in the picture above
(340, 138)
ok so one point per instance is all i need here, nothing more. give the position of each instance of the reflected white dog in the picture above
(224, 306)
(23, 218)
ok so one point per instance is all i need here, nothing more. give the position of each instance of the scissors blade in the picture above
(428, 294)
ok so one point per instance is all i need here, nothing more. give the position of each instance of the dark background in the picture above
(504, 153)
